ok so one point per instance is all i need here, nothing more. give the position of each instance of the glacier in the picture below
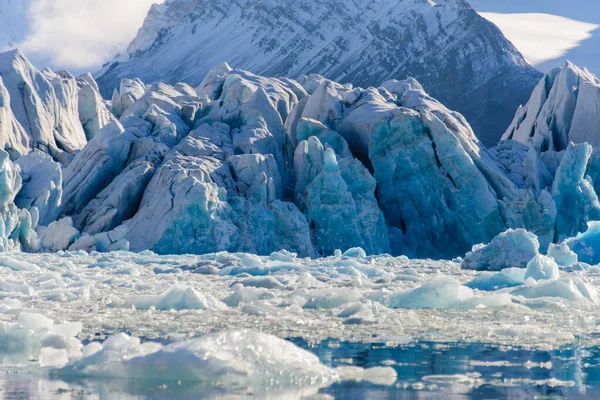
(247, 163)
(562, 109)
(187, 237)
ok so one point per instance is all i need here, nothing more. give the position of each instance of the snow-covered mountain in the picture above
(459, 57)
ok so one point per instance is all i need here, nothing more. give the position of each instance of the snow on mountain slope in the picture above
(459, 57)
(548, 32)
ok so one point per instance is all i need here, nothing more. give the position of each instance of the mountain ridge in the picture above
(459, 57)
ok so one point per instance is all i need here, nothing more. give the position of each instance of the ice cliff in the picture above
(247, 163)
(563, 108)
(52, 112)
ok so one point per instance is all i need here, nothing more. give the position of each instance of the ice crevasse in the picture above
(256, 164)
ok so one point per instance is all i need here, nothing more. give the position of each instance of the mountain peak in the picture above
(459, 57)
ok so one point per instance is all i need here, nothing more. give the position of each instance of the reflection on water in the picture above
(425, 371)
(468, 371)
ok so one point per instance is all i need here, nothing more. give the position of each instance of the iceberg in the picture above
(178, 297)
(442, 293)
(542, 268)
(510, 249)
(236, 359)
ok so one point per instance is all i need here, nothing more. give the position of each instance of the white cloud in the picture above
(81, 34)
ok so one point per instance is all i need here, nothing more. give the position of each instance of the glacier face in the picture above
(254, 164)
(44, 110)
(563, 108)
(460, 58)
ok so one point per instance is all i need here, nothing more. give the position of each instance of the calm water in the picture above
(425, 371)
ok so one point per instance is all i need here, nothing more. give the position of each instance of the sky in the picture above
(78, 35)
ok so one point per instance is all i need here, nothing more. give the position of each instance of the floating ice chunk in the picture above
(355, 252)
(384, 376)
(542, 268)
(70, 329)
(178, 297)
(34, 322)
(10, 305)
(493, 301)
(245, 294)
(261, 309)
(508, 277)
(70, 344)
(562, 254)
(51, 357)
(442, 292)
(91, 349)
(513, 248)
(17, 264)
(284, 256)
(573, 289)
(251, 260)
(356, 314)
(120, 341)
(58, 235)
(267, 282)
(238, 359)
